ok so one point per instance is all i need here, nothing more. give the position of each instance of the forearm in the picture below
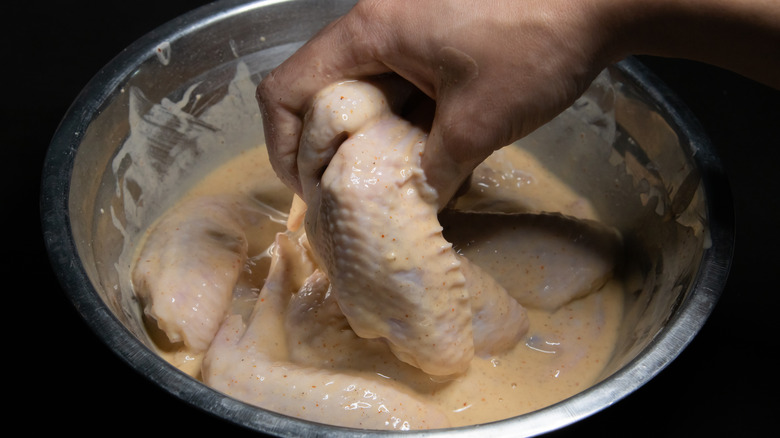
(739, 35)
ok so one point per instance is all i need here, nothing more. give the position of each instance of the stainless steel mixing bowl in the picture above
(654, 176)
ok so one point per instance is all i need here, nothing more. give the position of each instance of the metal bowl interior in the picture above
(657, 179)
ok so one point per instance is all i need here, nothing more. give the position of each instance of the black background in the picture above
(62, 379)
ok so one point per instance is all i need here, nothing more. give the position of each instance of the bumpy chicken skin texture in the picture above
(188, 268)
(372, 221)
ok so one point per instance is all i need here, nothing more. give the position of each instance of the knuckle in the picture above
(265, 89)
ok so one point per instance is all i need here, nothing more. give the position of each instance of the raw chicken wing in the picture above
(372, 222)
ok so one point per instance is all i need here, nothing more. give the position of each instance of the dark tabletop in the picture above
(723, 384)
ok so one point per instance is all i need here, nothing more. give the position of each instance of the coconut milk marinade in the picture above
(234, 235)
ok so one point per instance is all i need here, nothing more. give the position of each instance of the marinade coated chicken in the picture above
(373, 313)
(265, 363)
(188, 268)
(372, 223)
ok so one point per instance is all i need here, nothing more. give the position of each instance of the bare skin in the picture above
(498, 70)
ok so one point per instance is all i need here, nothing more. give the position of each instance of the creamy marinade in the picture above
(563, 353)
(305, 338)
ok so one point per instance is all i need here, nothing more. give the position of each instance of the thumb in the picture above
(464, 132)
(468, 124)
(444, 171)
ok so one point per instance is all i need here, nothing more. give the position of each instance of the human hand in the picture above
(496, 70)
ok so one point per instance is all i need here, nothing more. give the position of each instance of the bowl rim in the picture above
(63, 255)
